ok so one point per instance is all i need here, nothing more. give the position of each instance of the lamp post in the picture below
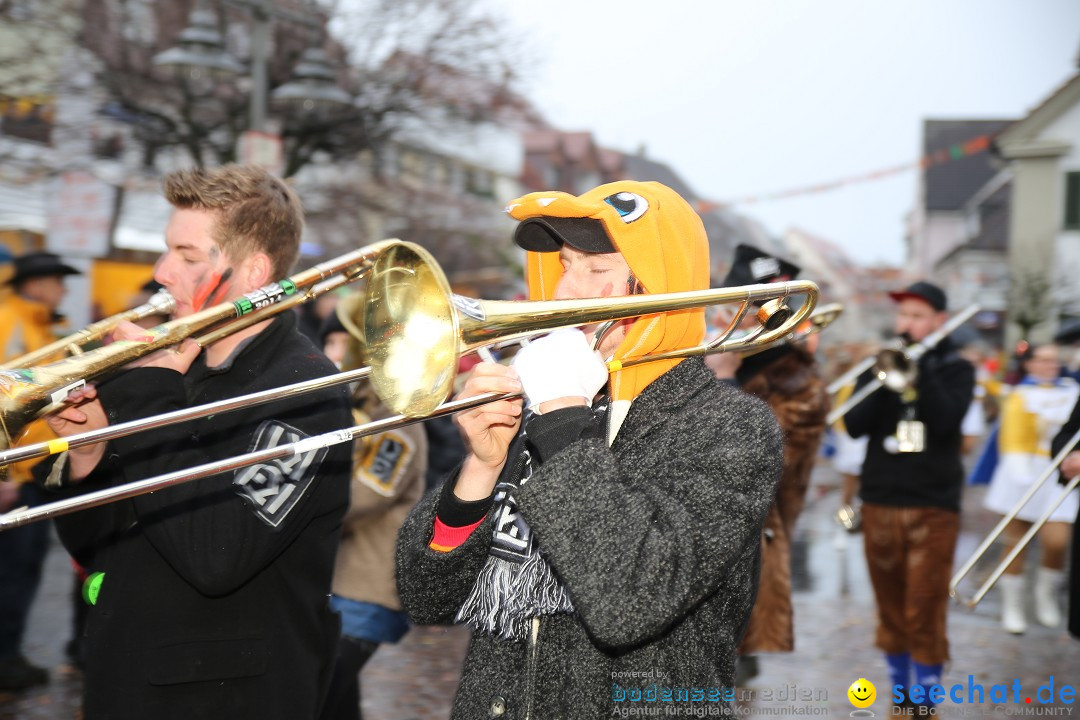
(201, 51)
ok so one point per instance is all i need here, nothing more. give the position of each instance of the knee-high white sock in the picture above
(1012, 603)
(1047, 611)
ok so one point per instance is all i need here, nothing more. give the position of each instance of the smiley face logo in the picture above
(862, 693)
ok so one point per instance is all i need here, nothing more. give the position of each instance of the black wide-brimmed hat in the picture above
(752, 266)
(39, 264)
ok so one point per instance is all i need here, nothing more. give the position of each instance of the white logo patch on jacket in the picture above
(274, 488)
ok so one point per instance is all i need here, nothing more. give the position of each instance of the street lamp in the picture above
(312, 88)
(201, 50)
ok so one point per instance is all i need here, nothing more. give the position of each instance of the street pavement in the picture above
(834, 623)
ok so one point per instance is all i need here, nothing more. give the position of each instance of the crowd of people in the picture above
(615, 514)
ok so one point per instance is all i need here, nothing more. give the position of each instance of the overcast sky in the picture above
(749, 97)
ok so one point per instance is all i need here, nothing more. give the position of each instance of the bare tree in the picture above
(33, 38)
(1030, 300)
(391, 54)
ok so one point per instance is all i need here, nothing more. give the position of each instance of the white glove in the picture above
(558, 365)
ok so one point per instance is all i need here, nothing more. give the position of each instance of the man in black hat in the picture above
(27, 317)
(787, 377)
(910, 488)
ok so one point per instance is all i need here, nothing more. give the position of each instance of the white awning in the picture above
(143, 216)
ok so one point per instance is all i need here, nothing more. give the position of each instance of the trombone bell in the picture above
(410, 330)
(895, 370)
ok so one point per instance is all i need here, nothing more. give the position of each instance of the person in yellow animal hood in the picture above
(662, 241)
(591, 538)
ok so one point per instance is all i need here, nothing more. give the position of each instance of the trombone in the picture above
(820, 318)
(29, 393)
(420, 294)
(415, 328)
(895, 366)
(1004, 522)
(160, 303)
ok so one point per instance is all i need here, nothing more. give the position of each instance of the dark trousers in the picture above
(343, 698)
(1074, 581)
(909, 552)
(22, 557)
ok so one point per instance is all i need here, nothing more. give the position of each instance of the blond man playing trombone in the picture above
(209, 599)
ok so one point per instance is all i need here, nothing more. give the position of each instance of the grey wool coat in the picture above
(657, 540)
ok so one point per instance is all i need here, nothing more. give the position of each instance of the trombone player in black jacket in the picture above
(210, 599)
(910, 488)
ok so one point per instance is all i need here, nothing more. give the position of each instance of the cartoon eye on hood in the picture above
(630, 206)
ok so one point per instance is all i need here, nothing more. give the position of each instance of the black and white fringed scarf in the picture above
(516, 583)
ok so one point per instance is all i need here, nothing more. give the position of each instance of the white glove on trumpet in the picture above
(560, 364)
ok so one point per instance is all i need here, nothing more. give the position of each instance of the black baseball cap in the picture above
(752, 265)
(547, 234)
(929, 293)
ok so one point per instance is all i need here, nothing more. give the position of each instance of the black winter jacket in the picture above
(1060, 441)
(934, 477)
(214, 598)
(657, 541)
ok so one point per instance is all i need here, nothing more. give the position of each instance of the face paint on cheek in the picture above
(212, 290)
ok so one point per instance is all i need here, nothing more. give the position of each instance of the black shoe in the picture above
(17, 673)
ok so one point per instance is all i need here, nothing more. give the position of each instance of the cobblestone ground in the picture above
(834, 622)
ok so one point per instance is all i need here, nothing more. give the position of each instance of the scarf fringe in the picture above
(506, 594)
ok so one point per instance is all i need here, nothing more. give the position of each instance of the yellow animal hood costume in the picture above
(662, 240)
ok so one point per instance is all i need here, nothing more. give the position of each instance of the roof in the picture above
(947, 186)
(639, 167)
(1050, 109)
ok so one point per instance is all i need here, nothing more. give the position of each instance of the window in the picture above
(480, 182)
(1072, 201)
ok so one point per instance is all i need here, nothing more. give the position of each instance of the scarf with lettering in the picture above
(516, 582)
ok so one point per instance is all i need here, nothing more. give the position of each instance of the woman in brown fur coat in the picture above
(788, 379)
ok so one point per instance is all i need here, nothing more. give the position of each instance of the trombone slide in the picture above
(141, 487)
(994, 534)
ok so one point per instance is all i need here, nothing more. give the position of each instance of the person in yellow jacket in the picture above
(27, 316)
(1031, 416)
